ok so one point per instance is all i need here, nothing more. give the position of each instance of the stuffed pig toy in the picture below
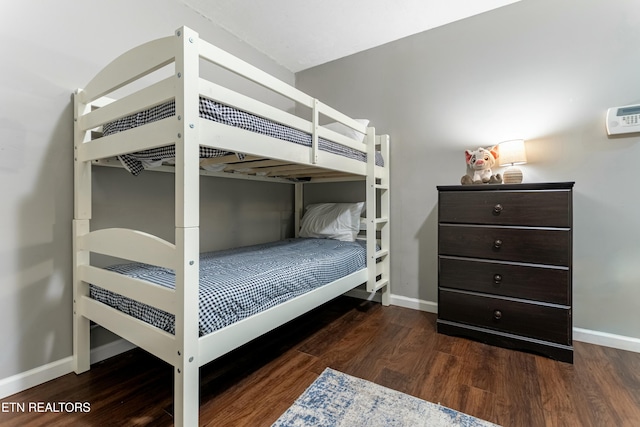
(479, 164)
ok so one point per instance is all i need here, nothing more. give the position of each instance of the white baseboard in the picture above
(34, 377)
(42, 374)
(414, 303)
(109, 350)
(606, 339)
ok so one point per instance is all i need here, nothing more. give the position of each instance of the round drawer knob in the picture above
(497, 209)
(497, 278)
(497, 243)
(497, 314)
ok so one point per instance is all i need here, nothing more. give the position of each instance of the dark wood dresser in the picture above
(504, 265)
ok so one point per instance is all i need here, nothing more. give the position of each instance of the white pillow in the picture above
(339, 221)
(347, 131)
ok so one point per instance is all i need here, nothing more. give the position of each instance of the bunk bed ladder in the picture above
(377, 218)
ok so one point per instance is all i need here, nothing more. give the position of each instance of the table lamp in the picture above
(512, 153)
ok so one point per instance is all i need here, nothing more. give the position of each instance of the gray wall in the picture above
(49, 49)
(536, 69)
(542, 70)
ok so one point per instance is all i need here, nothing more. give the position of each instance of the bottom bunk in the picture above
(243, 294)
(189, 309)
(238, 283)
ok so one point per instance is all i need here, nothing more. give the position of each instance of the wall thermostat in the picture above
(625, 119)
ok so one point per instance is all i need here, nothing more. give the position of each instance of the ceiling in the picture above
(301, 34)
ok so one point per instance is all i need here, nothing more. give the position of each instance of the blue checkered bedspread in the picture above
(212, 110)
(238, 283)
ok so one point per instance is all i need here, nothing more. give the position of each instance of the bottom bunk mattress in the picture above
(238, 283)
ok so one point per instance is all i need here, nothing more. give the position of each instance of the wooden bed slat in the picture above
(336, 176)
(255, 166)
(229, 159)
(144, 335)
(233, 139)
(307, 173)
(282, 168)
(130, 244)
(153, 95)
(140, 290)
(156, 134)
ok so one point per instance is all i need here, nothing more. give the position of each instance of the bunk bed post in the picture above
(298, 207)
(315, 122)
(82, 216)
(187, 208)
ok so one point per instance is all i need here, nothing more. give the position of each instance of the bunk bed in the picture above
(165, 124)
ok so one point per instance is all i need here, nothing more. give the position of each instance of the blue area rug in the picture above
(339, 400)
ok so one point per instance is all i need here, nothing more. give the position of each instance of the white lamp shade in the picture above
(512, 152)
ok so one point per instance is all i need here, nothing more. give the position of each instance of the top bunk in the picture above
(181, 119)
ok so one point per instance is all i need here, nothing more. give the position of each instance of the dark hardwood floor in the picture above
(392, 346)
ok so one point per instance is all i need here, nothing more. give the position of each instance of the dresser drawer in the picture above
(542, 322)
(531, 208)
(519, 281)
(530, 245)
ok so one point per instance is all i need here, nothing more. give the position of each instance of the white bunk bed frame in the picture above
(185, 350)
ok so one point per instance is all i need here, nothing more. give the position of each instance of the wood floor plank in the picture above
(438, 377)
(557, 393)
(477, 402)
(391, 346)
(262, 396)
(626, 366)
(611, 398)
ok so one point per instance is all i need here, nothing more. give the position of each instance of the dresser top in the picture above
(508, 187)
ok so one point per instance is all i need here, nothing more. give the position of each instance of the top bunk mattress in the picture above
(212, 110)
(238, 283)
